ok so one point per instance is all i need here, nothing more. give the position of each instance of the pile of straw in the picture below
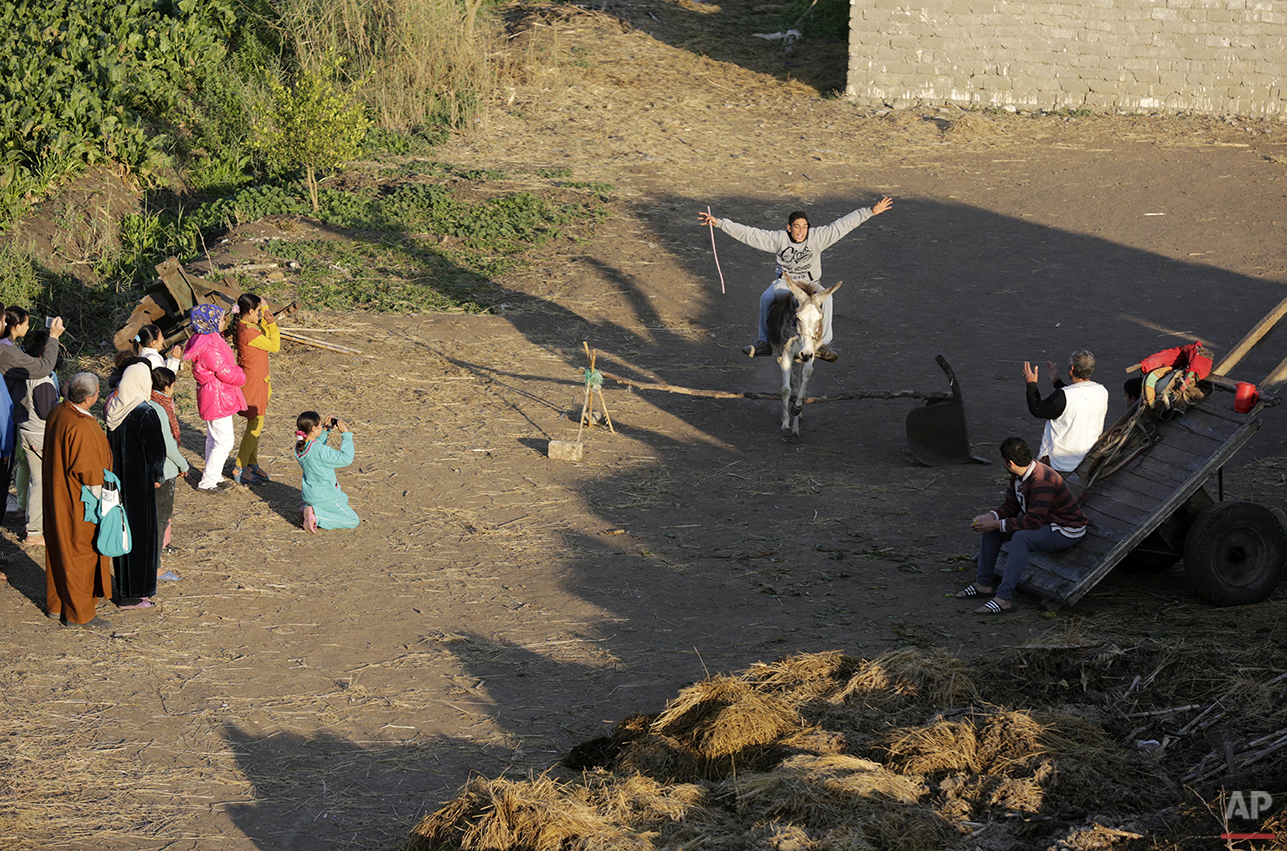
(814, 751)
(537, 814)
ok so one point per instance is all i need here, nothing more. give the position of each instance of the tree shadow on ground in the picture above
(369, 794)
(323, 790)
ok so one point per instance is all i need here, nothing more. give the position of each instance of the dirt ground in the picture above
(495, 607)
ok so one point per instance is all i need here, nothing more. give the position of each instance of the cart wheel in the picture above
(1234, 553)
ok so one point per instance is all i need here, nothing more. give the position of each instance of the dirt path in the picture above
(494, 608)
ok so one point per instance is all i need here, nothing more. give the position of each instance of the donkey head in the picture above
(808, 316)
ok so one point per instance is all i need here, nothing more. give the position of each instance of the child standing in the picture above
(219, 396)
(325, 505)
(257, 337)
(146, 344)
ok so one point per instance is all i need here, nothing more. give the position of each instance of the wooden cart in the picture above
(176, 291)
(1154, 510)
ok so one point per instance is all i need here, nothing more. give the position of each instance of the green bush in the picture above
(19, 281)
(88, 80)
(249, 205)
(314, 124)
(140, 82)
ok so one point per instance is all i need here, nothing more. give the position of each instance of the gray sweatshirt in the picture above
(18, 367)
(801, 260)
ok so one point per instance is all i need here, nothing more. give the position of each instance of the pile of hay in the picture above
(971, 125)
(814, 751)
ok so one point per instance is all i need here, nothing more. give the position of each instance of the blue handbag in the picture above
(113, 535)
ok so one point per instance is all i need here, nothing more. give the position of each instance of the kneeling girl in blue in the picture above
(325, 505)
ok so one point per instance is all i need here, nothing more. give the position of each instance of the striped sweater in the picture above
(1039, 497)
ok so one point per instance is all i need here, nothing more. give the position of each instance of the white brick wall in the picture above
(1210, 56)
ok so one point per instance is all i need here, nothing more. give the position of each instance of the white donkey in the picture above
(795, 332)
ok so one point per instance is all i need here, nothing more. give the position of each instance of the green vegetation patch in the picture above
(84, 81)
(394, 277)
(88, 311)
(411, 247)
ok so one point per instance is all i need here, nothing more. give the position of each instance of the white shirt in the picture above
(1069, 436)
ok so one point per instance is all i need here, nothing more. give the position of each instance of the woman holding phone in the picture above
(18, 368)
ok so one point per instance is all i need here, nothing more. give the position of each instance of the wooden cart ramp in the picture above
(1125, 507)
(1234, 552)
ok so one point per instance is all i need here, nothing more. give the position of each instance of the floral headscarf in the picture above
(205, 318)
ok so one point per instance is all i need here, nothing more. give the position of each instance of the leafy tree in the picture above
(315, 125)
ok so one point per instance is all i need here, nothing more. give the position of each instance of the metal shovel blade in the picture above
(936, 433)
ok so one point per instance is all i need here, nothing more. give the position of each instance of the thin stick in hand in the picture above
(711, 225)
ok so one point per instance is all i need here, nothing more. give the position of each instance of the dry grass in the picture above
(726, 717)
(730, 762)
(802, 677)
(409, 58)
(537, 814)
(971, 125)
(905, 675)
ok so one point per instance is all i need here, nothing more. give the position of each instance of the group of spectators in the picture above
(70, 456)
(1040, 513)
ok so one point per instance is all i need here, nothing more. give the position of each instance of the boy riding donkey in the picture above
(799, 254)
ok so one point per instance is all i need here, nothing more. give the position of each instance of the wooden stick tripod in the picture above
(593, 386)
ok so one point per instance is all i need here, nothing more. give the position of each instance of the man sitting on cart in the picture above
(1039, 514)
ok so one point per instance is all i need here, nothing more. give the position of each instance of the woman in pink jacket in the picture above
(219, 396)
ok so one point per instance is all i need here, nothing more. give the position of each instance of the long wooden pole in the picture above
(1253, 339)
(318, 344)
(727, 394)
(1273, 379)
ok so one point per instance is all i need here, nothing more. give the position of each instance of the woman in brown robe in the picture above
(76, 454)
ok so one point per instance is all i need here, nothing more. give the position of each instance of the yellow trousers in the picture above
(248, 454)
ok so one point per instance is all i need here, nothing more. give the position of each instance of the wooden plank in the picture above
(1104, 539)
(1039, 581)
(1189, 439)
(1185, 457)
(1253, 339)
(1075, 561)
(1221, 408)
(1205, 424)
(1131, 482)
(1104, 511)
(1159, 471)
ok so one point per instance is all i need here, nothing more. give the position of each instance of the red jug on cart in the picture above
(1245, 397)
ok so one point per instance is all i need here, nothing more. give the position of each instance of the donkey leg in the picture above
(786, 362)
(806, 370)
